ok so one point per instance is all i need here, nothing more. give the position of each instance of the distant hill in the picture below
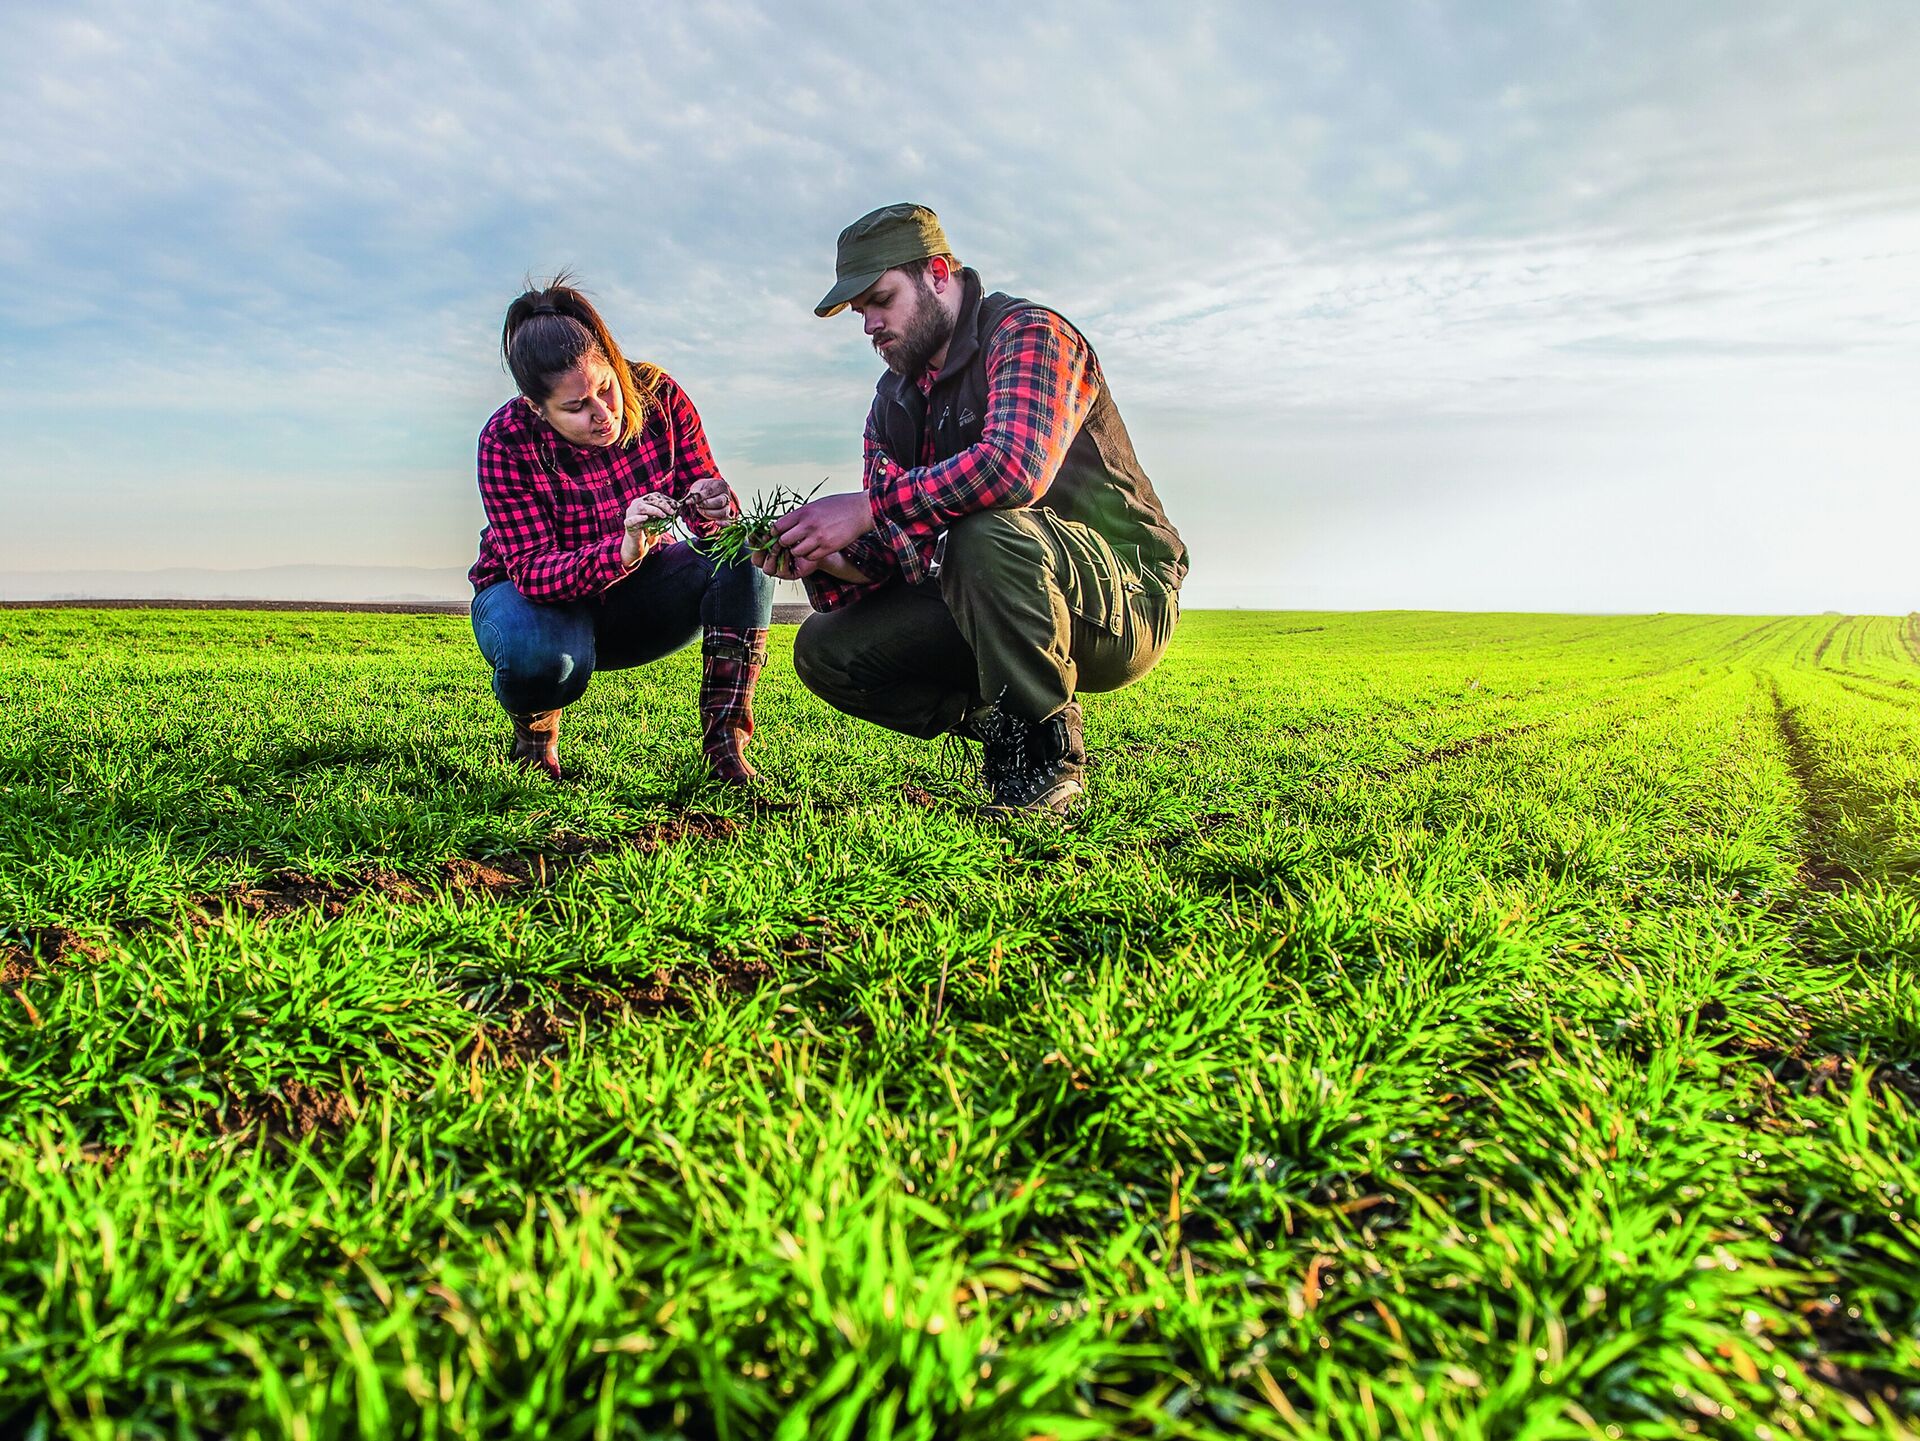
(277, 582)
(382, 584)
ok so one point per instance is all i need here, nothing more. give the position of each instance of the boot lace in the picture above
(956, 760)
(1004, 741)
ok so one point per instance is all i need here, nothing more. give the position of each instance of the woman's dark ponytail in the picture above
(550, 330)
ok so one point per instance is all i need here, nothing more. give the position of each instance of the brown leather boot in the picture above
(536, 741)
(731, 661)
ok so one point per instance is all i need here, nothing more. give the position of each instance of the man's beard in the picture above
(926, 330)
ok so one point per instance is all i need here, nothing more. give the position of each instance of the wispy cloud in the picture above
(289, 231)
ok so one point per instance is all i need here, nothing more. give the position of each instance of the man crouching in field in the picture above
(1008, 550)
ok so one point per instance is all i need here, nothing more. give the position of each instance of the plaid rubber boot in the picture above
(536, 741)
(730, 664)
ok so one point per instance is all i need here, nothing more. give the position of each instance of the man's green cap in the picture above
(875, 243)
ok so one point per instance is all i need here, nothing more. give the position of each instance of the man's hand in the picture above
(823, 527)
(782, 564)
(642, 511)
(713, 498)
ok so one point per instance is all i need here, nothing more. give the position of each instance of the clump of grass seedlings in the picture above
(752, 529)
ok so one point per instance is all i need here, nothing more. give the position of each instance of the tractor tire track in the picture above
(1737, 647)
(1819, 816)
(1467, 745)
(1846, 679)
(1827, 639)
(1893, 681)
(1452, 750)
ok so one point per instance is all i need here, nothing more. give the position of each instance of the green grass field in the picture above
(1447, 1026)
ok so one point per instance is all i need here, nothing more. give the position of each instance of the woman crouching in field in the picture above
(574, 472)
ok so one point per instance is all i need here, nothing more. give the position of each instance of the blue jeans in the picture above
(544, 655)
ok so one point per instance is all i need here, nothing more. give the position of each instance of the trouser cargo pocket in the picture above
(1089, 573)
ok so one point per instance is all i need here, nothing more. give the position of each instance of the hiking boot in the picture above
(731, 661)
(999, 742)
(536, 741)
(1033, 768)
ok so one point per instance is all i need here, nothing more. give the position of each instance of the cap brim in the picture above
(850, 289)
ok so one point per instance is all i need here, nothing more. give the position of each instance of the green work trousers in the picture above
(1027, 610)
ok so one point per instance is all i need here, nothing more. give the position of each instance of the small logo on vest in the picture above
(967, 417)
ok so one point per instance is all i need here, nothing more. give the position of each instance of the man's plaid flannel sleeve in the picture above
(517, 497)
(1042, 381)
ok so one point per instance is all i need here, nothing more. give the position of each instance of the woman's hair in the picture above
(551, 329)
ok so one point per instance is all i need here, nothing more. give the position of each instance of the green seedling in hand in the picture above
(663, 525)
(751, 532)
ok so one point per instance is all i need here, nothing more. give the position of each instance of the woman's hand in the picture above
(713, 499)
(642, 511)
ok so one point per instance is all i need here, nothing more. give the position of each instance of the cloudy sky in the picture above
(1597, 306)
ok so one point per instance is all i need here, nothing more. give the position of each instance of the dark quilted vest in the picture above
(1100, 484)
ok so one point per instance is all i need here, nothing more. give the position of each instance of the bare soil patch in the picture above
(1819, 1074)
(692, 826)
(297, 1111)
(1843, 1346)
(1816, 1073)
(50, 945)
(592, 995)
(543, 1029)
(667, 987)
(286, 893)
(465, 876)
(817, 938)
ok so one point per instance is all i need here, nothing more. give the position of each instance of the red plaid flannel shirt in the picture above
(1042, 380)
(556, 512)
